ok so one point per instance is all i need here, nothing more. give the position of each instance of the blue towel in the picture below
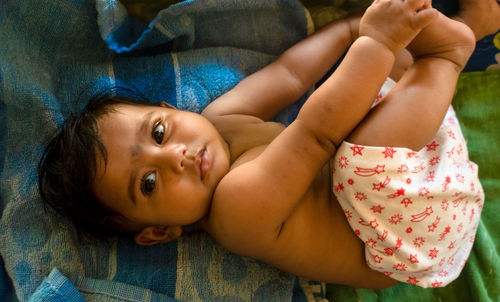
(56, 54)
(56, 287)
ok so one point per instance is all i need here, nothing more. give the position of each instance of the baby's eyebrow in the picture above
(144, 124)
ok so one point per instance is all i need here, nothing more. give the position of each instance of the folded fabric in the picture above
(56, 287)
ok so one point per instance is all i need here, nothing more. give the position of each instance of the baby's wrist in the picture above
(380, 38)
(374, 44)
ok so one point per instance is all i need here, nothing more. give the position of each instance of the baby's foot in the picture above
(482, 16)
(444, 38)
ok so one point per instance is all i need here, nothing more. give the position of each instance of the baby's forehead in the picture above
(120, 107)
(118, 111)
(123, 126)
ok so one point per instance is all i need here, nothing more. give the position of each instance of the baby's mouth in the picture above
(204, 163)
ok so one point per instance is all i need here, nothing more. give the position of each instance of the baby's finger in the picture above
(425, 17)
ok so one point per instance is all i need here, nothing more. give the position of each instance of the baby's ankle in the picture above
(460, 55)
(446, 39)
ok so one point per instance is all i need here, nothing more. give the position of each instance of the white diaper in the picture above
(416, 212)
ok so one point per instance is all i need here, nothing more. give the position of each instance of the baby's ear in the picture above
(166, 105)
(157, 234)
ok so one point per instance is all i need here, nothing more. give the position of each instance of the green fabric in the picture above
(476, 103)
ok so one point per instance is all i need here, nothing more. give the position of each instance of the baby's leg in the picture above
(411, 113)
(482, 16)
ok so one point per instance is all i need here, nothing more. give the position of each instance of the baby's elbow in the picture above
(317, 137)
(326, 143)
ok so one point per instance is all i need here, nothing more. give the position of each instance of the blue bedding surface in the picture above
(55, 55)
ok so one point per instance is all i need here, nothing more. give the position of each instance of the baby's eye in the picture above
(148, 183)
(158, 132)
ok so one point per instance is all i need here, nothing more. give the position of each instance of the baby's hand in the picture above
(395, 23)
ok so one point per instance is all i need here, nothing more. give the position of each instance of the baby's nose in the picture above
(176, 156)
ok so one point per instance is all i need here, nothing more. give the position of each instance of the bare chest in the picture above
(316, 241)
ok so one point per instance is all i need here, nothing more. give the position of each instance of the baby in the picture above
(275, 193)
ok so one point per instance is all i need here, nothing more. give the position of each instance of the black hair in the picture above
(68, 166)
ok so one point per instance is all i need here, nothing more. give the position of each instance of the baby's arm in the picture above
(333, 111)
(337, 107)
(281, 83)
(270, 186)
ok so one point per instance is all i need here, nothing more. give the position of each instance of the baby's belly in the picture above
(317, 243)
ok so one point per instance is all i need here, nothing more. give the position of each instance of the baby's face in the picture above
(163, 165)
